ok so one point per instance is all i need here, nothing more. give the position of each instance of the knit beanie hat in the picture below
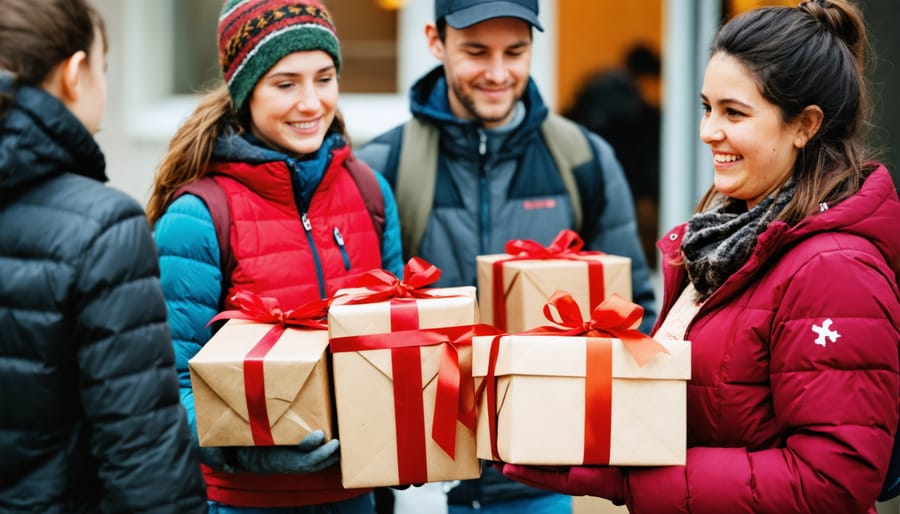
(256, 34)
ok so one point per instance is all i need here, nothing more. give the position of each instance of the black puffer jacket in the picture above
(90, 419)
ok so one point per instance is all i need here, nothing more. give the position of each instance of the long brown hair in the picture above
(813, 54)
(35, 36)
(191, 148)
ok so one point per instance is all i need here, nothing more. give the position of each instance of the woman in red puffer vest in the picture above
(301, 225)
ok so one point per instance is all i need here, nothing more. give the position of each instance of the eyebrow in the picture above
(482, 46)
(324, 69)
(728, 101)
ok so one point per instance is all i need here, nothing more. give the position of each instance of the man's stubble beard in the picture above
(469, 105)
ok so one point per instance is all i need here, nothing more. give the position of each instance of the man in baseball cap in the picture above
(477, 166)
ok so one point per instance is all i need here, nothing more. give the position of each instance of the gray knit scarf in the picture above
(719, 240)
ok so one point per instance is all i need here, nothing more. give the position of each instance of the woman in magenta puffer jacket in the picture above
(785, 282)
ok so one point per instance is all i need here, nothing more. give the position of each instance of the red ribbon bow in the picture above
(615, 317)
(383, 285)
(264, 309)
(267, 310)
(566, 245)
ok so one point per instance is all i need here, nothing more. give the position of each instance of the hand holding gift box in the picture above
(262, 379)
(513, 287)
(402, 377)
(598, 481)
(582, 392)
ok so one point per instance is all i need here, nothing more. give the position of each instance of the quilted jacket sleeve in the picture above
(191, 281)
(128, 386)
(617, 231)
(391, 246)
(835, 400)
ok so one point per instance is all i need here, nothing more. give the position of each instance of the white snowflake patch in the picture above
(825, 332)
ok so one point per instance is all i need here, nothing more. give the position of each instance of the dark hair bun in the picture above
(842, 19)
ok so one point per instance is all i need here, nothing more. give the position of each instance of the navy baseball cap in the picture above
(461, 14)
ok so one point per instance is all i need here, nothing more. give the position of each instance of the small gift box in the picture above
(595, 392)
(263, 379)
(402, 379)
(513, 287)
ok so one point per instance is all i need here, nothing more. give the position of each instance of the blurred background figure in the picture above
(622, 106)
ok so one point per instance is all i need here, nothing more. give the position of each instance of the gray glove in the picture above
(308, 456)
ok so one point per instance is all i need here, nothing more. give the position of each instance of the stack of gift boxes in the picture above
(544, 367)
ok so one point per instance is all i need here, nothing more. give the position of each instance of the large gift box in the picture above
(514, 286)
(262, 382)
(402, 380)
(605, 395)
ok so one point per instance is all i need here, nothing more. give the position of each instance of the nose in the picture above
(710, 131)
(496, 70)
(308, 98)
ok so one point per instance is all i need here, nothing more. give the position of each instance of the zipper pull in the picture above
(307, 226)
(482, 142)
(339, 239)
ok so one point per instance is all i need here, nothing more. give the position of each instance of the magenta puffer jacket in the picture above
(793, 400)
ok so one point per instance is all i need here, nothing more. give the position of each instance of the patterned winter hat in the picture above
(255, 34)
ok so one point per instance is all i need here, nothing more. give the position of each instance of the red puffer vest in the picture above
(291, 251)
(295, 253)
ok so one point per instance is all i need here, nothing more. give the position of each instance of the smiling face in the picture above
(293, 104)
(753, 148)
(486, 66)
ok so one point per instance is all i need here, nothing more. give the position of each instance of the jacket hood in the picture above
(41, 138)
(428, 100)
(872, 213)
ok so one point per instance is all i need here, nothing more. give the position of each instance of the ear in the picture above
(808, 123)
(62, 82)
(434, 41)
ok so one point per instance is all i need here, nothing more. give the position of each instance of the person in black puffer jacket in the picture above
(90, 418)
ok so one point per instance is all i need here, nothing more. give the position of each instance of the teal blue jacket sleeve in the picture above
(391, 245)
(192, 283)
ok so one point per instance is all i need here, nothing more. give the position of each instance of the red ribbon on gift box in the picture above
(454, 401)
(455, 398)
(267, 310)
(566, 245)
(382, 285)
(616, 318)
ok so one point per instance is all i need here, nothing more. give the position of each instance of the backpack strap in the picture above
(570, 149)
(370, 189)
(207, 190)
(417, 172)
(416, 177)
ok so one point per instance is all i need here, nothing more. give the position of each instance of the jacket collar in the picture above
(41, 138)
(429, 101)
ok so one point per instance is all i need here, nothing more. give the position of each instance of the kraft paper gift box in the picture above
(573, 400)
(252, 391)
(542, 403)
(514, 286)
(386, 420)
